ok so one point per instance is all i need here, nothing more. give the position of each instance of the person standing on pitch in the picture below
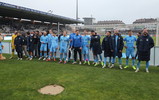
(35, 39)
(18, 42)
(107, 47)
(85, 46)
(117, 47)
(77, 44)
(39, 43)
(64, 41)
(130, 49)
(24, 47)
(49, 43)
(70, 38)
(95, 43)
(30, 46)
(44, 40)
(144, 44)
(12, 44)
(54, 46)
(93, 50)
(138, 35)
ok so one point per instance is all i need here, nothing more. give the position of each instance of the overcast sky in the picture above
(125, 10)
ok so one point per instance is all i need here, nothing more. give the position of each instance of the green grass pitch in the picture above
(20, 80)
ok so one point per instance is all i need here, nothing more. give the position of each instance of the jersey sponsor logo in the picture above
(147, 39)
(141, 40)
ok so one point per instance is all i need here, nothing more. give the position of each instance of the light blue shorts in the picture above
(43, 47)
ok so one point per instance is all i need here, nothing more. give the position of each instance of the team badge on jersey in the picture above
(147, 39)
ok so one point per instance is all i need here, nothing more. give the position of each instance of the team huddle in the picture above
(47, 44)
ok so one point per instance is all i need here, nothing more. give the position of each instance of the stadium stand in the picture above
(148, 20)
(110, 22)
(11, 19)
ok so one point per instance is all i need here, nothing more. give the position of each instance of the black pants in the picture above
(35, 48)
(136, 54)
(20, 54)
(39, 44)
(77, 49)
(69, 53)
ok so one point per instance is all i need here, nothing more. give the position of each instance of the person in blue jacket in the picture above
(117, 47)
(85, 46)
(44, 40)
(130, 49)
(64, 42)
(71, 38)
(107, 47)
(18, 42)
(144, 44)
(77, 44)
(96, 46)
(54, 46)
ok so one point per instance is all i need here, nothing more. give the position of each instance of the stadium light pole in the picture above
(77, 10)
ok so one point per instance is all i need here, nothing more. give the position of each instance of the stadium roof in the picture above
(10, 10)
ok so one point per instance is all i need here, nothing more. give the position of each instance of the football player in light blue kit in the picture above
(1, 47)
(44, 40)
(64, 42)
(49, 43)
(130, 49)
(85, 43)
(54, 45)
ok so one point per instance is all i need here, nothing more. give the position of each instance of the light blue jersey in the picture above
(49, 38)
(1, 47)
(85, 42)
(116, 40)
(130, 40)
(71, 37)
(54, 43)
(43, 45)
(64, 42)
